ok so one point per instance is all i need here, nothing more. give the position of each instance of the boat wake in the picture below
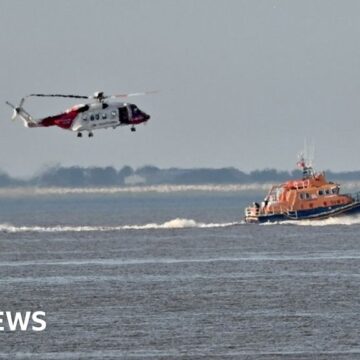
(177, 223)
(339, 220)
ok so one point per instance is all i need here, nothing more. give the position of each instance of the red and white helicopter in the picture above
(99, 114)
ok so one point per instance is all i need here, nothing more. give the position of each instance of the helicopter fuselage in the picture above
(90, 117)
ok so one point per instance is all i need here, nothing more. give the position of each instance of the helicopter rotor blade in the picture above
(96, 96)
(21, 102)
(10, 104)
(131, 94)
(60, 95)
(15, 110)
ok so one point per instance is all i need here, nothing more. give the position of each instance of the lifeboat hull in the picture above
(313, 214)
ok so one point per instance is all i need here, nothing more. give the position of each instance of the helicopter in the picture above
(98, 114)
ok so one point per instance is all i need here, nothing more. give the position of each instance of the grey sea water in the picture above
(176, 275)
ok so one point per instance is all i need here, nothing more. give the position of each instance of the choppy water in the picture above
(170, 276)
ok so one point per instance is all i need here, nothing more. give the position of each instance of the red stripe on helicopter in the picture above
(63, 120)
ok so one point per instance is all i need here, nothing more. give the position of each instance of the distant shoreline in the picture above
(170, 179)
(142, 189)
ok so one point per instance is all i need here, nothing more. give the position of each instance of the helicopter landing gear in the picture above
(91, 134)
(79, 134)
(133, 128)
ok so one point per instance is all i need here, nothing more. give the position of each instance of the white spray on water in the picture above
(177, 223)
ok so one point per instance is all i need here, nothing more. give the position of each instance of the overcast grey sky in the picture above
(242, 82)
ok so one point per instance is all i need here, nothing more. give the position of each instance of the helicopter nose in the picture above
(146, 117)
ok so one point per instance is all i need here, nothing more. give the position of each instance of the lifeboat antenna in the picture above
(305, 161)
(310, 153)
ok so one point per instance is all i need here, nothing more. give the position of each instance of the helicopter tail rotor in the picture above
(18, 111)
(15, 114)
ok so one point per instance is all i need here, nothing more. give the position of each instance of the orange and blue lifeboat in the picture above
(311, 197)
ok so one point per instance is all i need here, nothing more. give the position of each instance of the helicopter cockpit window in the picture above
(97, 116)
(84, 117)
(92, 117)
(104, 116)
(113, 114)
(134, 109)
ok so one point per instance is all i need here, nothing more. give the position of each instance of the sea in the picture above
(175, 274)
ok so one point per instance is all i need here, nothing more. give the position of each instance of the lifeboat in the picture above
(312, 197)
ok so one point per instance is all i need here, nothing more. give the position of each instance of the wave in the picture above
(339, 220)
(177, 223)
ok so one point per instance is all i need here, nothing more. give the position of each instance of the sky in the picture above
(241, 83)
